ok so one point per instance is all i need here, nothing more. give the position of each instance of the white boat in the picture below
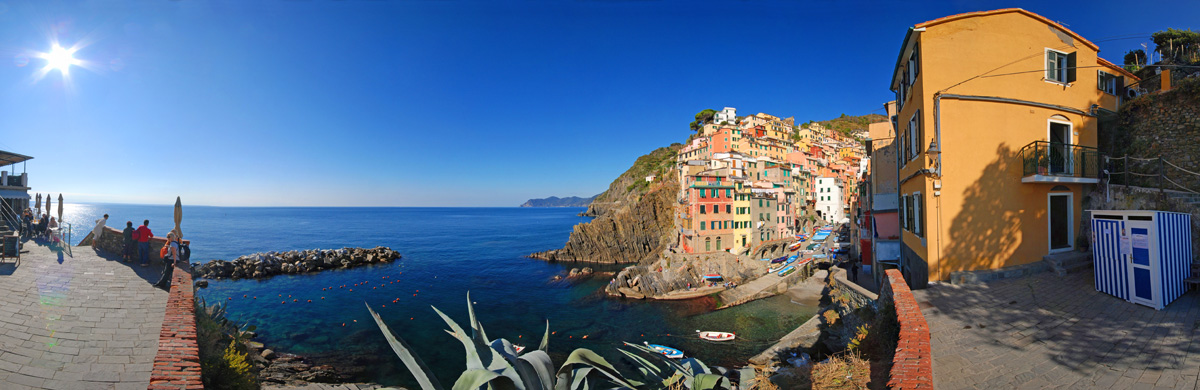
(717, 336)
(518, 348)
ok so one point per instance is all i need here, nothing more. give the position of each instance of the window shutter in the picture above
(922, 204)
(903, 215)
(1120, 86)
(1071, 67)
(917, 213)
(917, 139)
(1100, 79)
(1051, 66)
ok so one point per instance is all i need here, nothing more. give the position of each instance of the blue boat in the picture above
(713, 277)
(793, 258)
(779, 260)
(665, 350)
(787, 271)
(765, 259)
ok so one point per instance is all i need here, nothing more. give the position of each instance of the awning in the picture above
(887, 251)
(887, 225)
(9, 158)
(14, 194)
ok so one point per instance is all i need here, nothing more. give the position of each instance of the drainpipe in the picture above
(937, 134)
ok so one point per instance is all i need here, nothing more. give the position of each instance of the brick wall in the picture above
(177, 365)
(912, 366)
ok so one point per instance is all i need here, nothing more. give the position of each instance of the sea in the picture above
(448, 255)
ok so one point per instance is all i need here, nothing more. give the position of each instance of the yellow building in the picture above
(996, 133)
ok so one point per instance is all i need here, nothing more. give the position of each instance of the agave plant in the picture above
(495, 365)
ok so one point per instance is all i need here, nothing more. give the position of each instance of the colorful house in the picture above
(997, 121)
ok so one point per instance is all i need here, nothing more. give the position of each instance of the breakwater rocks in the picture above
(265, 265)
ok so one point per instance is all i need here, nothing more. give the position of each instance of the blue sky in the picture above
(454, 103)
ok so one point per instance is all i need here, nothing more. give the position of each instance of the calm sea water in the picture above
(447, 252)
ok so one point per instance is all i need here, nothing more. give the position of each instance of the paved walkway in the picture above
(1046, 331)
(78, 321)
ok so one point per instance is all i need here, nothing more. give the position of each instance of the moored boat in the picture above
(665, 350)
(713, 277)
(779, 260)
(518, 348)
(787, 271)
(717, 336)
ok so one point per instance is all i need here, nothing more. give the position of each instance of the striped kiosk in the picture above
(1142, 256)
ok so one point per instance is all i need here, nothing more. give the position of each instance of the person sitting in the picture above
(51, 228)
(40, 228)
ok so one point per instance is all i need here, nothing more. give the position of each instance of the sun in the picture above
(61, 59)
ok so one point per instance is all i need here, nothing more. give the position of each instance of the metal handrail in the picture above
(1060, 159)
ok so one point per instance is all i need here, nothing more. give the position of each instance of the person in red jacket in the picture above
(143, 236)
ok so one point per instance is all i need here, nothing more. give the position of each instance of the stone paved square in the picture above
(77, 320)
(1046, 331)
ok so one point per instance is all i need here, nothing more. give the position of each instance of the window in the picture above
(728, 192)
(702, 209)
(1060, 67)
(728, 208)
(914, 132)
(903, 213)
(918, 226)
(702, 223)
(702, 193)
(707, 244)
(1107, 82)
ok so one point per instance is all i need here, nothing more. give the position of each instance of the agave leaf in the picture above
(545, 338)
(580, 380)
(536, 370)
(587, 357)
(710, 382)
(476, 328)
(472, 353)
(415, 365)
(475, 379)
(649, 371)
(696, 366)
(501, 352)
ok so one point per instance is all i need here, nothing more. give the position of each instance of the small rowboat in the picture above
(713, 277)
(717, 336)
(764, 259)
(795, 246)
(779, 260)
(518, 348)
(787, 271)
(665, 350)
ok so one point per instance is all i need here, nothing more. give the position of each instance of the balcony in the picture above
(1052, 162)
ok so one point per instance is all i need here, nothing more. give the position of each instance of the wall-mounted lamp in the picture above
(933, 152)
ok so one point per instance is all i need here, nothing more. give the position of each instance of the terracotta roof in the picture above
(1004, 11)
(1116, 67)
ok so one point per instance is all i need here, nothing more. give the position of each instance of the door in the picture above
(1141, 281)
(1059, 212)
(1060, 148)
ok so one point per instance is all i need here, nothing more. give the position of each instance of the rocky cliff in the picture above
(634, 218)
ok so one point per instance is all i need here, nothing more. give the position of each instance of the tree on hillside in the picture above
(1135, 59)
(702, 117)
(1181, 46)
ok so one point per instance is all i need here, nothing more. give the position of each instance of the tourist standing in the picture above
(164, 281)
(143, 236)
(853, 271)
(127, 247)
(27, 222)
(98, 230)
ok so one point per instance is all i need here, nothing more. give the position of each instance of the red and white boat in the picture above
(717, 336)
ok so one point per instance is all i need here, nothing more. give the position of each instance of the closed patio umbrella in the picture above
(37, 207)
(178, 218)
(48, 201)
(60, 208)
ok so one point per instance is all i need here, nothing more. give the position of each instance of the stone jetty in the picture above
(268, 264)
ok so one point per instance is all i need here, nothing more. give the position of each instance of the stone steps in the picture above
(1067, 262)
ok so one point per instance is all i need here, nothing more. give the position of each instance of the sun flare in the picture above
(61, 59)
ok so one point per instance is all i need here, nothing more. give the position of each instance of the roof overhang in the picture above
(9, 158)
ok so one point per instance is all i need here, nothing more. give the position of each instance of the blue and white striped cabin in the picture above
(1142, 256)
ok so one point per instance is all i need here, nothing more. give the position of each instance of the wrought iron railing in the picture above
(1059, 159)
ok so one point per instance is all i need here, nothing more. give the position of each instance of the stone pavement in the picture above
(1046, 331)
(77, 320)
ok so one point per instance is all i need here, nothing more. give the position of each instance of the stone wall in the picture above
(112, 241)
(177, 364)
(912, 365)
(1166, 125)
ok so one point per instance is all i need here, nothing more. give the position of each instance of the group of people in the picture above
(41, 225)
(136, 243)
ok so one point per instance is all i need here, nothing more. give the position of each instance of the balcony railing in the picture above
(1058, 162)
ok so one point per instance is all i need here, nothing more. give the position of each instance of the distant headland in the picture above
(554, 201)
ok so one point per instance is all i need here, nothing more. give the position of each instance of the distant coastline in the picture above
(554, 201)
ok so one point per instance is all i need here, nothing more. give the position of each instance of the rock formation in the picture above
(634, 218)
(677, 271)
(265, 265)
